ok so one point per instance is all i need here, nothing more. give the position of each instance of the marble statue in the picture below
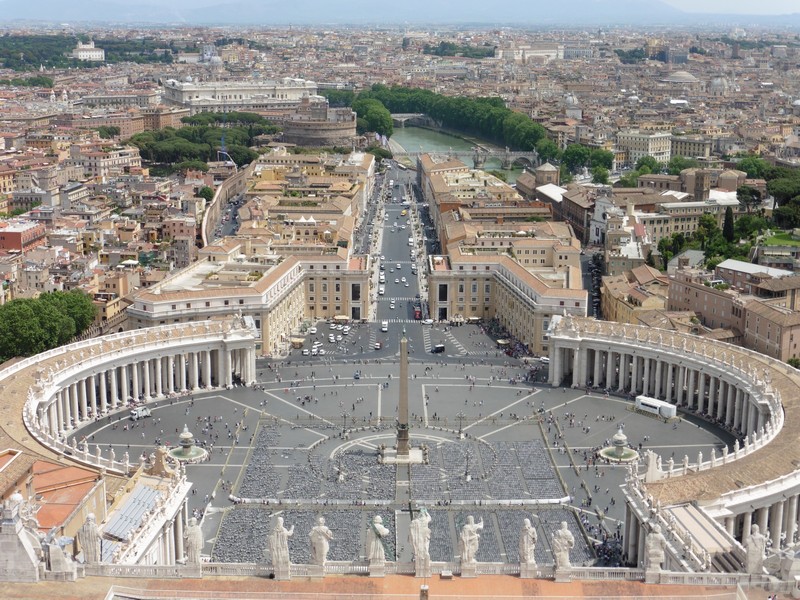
(527, 543)
(279, 543)
(375, 534)
(419, 536)
(193, 537)
(89, 540)
(468, 540)
(755, 545)
(563, 542)
(320, 542)
(654, 548)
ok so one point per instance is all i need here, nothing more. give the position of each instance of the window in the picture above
(355, 292)
(241, 301)
(208, 304)
(188, 305)
(227, 302)
(442, 292)
(174, 306)
(338, 287)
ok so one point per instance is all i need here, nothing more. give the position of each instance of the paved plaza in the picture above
(304, 443)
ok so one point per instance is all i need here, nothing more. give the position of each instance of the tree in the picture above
(575, 156)
(547, 150)
(649, 162)
(677, 164)
(564, 175)
(373, 116)
(206, 192)
(629, 180)
(601, 158)
(794, 362)
(727, 228)
(193, 165)
(748, 197)
(600, 175)
(784, 189)
(754, 166)
(108, 132)
(707, 228)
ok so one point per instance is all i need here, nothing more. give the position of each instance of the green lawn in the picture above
(781, 239)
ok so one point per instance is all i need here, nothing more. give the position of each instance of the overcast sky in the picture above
(759, 7)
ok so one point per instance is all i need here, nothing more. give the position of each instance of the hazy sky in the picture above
(761, 7)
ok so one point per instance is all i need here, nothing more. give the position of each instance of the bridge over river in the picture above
(478, 155)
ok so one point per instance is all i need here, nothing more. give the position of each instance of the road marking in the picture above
(301, 409)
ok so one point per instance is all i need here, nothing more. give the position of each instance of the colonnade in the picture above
(112, 386)
(637, 371)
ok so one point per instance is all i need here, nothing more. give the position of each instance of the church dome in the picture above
(680, 77)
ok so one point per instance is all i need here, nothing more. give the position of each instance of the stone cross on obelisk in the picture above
(402, 408)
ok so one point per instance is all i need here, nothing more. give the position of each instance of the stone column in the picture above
(729, 525)
(791, 519)
(83, 397)
(73, 399)
(146, 386)
(193, 371)
(180, 553)
(646, 378)
(635, 377)
(59, 414)
(722, 396)
(623, 372)
(737, 409)
(67, 407)
(180, 373)
(159, 378)
(729, 404)
(171, 376)
(611, 365)
(776, 524)
(93, 394)
(136, 389)
(679, 385)
(759, 418)
(554, 376)
(597, 364)
(701, 393)
(747, 525)
(114, 388)
(712, 394)
(207, 368)
(577, 366)
(103, 392)
(762, 517)
(668, 383)
(125, 383)
(52, 416)
(659, 379)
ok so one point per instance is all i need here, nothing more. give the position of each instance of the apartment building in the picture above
(497, 286)
(638, 144)
(624, 297)
(690, 146)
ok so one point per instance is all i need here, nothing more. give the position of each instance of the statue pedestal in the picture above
(469, 570)
(377, 569)
(316, 571)
(192, 571)
(652, 575)
(422, 569)
(281, 572)
(563, 575)
(528, 571)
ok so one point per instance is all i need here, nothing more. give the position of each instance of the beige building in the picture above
(638, 144)
(626, 296)
(498, 287)
(691, 146)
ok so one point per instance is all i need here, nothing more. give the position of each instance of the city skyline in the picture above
(269, 12)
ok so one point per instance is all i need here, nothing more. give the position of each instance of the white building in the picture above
(217, 96)
(638, 144)
(88, 52)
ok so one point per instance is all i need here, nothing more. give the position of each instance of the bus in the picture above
(665, 410)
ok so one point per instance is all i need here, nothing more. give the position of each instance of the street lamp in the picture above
(460, 416)
(344, 422)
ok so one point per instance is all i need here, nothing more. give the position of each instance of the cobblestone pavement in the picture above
(281, 445)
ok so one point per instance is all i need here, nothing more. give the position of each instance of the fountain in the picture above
(618, 451)
(188, 452)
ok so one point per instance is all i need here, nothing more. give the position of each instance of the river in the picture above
(414, 139)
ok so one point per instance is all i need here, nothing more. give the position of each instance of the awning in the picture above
(341, 318)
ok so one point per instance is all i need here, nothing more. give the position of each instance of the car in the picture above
(332, 338)
(544, 359)
(437, 349)
(381, 291)
(339, 327)
(338, 338)
(312, 331)
(346, 329)
(306, 352)
(322, 351)
(332, 326)
(427, 321)
(383, 258)
(378, 345)
(398, 266)
(316, 345)
(403, 279)
(391, 270)
(357, 375)
(416, 296)
(396, 280)
(383, 267)
(391, 305)
(402, 226)
(406, 284)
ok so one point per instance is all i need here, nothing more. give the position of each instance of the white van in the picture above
(140, 412)
(382, 277)
(381, 290)
(384, 326)
(411, 241)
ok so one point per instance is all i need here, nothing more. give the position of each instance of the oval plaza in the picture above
(688, 519)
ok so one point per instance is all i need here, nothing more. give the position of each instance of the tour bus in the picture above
(384, 326)
(665, 410)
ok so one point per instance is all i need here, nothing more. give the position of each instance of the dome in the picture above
(680, 77)
(796, 102)
(718, 83)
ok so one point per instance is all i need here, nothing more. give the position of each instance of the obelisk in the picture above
(402, 408)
